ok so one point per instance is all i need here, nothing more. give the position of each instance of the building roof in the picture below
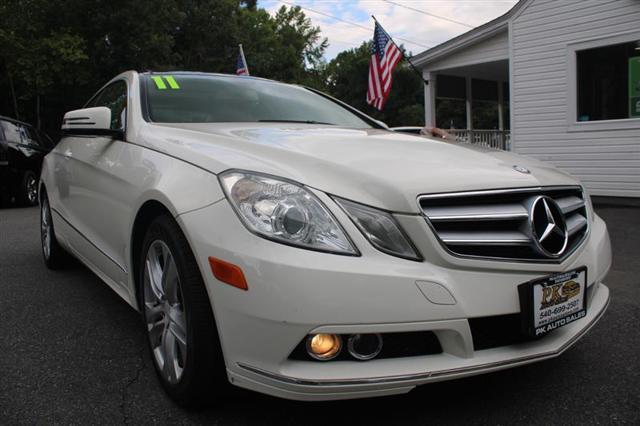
(472, 36)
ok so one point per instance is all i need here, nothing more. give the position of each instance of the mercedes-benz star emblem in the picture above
(548, 227)
(521, 169)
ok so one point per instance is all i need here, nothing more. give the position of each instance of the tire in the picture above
(181, 330)
(28, 191)
(55, 257)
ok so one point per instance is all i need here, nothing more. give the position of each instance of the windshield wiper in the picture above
(296, 121)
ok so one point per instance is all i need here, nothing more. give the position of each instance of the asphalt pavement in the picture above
(72, 352)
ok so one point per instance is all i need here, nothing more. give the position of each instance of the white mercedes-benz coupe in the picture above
(275, 238)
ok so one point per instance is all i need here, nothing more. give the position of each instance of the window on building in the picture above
(608, 82)
(485, 104)
(451, 110)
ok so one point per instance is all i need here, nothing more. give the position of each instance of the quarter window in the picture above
(609, 82)
(113, 97)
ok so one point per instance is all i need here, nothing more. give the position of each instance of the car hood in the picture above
(376, 167)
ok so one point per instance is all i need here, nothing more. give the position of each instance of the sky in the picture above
(408, 21)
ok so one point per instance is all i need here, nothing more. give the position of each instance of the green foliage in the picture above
(347, 78)
(62, 51)
(49, 61)
(286, 47)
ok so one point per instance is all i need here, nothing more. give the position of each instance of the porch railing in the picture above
(499, 139)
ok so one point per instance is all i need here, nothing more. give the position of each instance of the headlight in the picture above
(381, 229)
(285, 212)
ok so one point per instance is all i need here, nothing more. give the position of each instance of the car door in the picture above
(95, 195)
(34, 147)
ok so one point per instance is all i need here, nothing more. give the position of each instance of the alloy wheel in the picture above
(32, 189)
(164, 312)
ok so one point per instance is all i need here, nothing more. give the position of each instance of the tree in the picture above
(40, 57)
(59, 52)
(286, 47)
(207, 36)
(56, 53)
(347, 79)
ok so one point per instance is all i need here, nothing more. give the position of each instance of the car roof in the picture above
(216, 74)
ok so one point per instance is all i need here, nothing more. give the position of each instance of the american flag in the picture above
(385, 55)
(241, 63)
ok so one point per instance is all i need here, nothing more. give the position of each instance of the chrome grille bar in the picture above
(575, 223)
(569, 204)
(489, 212)
(503, 238)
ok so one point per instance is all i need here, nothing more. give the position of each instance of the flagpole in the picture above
(244, 60)
(406, 58)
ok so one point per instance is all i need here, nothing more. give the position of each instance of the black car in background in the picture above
(22, 148)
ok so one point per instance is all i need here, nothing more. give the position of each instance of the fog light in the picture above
(324, 347)
(364, 347)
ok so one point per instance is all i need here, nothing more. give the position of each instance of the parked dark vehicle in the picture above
(22, 148)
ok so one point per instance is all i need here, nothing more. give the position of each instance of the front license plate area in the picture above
(552, 302)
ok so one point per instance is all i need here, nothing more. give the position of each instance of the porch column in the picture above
(469, 103)
(429, 98)
(500, 105)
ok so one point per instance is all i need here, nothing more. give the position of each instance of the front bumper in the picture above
(295, 292)
(424, 369)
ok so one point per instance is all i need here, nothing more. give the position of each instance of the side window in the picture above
(25, 135)
(114, 97)
(12, 132)
(28, 136)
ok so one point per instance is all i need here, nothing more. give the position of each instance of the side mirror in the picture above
(90, 121)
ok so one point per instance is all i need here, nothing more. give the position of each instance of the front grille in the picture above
(496, 224)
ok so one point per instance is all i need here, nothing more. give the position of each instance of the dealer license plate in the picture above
(552, 302)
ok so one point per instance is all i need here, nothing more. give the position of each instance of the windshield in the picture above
(193, 98)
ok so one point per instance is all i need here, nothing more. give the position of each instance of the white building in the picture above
(560, 79)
